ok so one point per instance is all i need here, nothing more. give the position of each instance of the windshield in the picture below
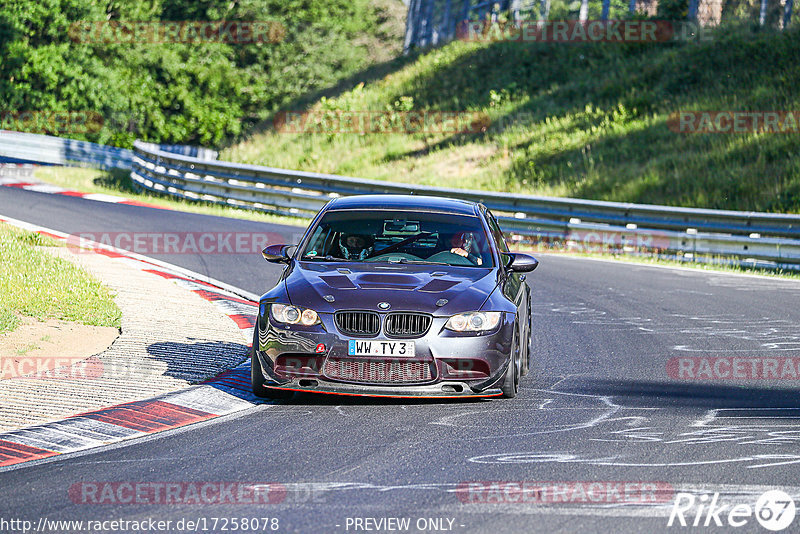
(399, 237)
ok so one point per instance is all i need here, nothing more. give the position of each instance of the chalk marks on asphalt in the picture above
(693, 331)
(607, 426)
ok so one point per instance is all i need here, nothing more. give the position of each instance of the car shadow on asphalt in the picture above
(200, 361)
(691, 395)
(322, 399)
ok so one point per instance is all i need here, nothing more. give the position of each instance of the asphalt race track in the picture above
(599, 405)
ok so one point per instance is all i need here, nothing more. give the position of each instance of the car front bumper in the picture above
(446, 364)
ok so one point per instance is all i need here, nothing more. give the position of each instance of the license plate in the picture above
(401, 349)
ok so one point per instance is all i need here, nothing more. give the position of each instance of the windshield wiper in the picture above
(322, 258)
(420, 262)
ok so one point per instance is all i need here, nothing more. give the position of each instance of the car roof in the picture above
(401, 202)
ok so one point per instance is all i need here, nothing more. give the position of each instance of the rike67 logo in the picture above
(774, 510)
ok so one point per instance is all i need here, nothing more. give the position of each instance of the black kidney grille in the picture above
(358, 323)
(407, 324)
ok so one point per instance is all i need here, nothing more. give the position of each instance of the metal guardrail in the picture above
(18, 147)
(35, 148)
(755, 238)
(574, 223)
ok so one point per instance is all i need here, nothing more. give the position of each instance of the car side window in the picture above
(497, 233)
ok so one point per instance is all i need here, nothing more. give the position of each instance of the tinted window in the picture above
(398, 236)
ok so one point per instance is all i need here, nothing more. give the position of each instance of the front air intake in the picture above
(378, 371)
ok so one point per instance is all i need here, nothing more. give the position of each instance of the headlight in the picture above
(473, 322)
(287, 314)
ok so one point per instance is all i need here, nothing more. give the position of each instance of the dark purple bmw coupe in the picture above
(396, 296)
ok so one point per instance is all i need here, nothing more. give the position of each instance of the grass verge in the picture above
(36, 284)
(590, 121)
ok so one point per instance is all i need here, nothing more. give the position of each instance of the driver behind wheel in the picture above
(356, 246)
(462, 244)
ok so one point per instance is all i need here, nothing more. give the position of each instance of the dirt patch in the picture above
(465, 163)
(43, 345)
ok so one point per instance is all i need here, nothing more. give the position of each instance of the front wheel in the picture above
(257, 376)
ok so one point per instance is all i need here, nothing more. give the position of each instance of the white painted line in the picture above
(44, 188)
(87, 425)
(103, 198)
(35, 436)
(207, 399)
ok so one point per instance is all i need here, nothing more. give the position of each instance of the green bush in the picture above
(194, 93)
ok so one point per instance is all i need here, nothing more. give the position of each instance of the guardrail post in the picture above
(693, 232)
(411, 25)
(787, 13)
(447, 20)
(429, 26)
(514, 8)
(693, 4)
(544, 10)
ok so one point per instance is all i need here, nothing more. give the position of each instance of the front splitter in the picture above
(404, 392)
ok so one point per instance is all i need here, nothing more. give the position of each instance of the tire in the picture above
(510, 385)
(526, 359)
(257, 376)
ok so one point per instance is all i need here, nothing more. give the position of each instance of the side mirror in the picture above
(277, 253)
(519, 262)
